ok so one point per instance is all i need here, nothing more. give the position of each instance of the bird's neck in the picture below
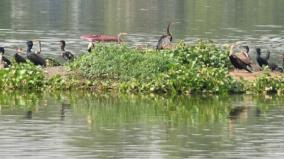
(29, 50)
(258, 54)
(62, 48)
(168, 30)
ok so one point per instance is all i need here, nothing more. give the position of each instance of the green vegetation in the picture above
(23, 76)
(186, 69)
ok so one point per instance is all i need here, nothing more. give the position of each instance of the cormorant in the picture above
(260, 60)
(165, 40)
(6, 61)
(67, 55)
(18, 58)
(239, 63)
(264, 61)
(33, 57)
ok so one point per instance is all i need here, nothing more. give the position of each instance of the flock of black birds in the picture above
(240, 61)
(34, 56)
(243, 61)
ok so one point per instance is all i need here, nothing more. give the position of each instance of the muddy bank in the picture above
(62, 71)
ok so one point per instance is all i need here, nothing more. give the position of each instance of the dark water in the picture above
(83, 125)
(256, 23)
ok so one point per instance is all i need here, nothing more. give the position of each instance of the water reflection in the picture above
(81, 124)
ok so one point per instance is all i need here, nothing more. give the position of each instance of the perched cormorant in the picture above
(264, 61)
(67, 55)
(33, 57)
(239, 63)
(165, 40)
(18, 58)
(6, 61)
(260, 60)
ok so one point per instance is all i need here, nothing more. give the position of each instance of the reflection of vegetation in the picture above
(20, 100)
(115, 110)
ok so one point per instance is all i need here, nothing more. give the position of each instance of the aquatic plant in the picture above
(120, 63)
(186, 69)
(22, 76)
(267, 84)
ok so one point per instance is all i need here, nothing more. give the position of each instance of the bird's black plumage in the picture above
(6, 61)
(240, 63)
(67, 55)
(19, 58)
(165, 40)
(261, 60)
(33, 57)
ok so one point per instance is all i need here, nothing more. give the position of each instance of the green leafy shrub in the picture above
(22, 76)
(120, 63)
(187, 69)
(268, 84)
(202, 54)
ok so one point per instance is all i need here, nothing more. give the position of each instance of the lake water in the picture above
(79, 124)
(256, 23)
(84, 125)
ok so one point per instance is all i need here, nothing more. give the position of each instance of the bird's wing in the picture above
(245, 59)
(164, 41)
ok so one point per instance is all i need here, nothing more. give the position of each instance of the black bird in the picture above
(18, 58)
(260, 60)
(67, 55)
(264, 61)
(33, 57)
(165, 40)
(6, 61)
(239, 63)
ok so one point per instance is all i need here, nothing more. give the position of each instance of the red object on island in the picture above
(102, 38)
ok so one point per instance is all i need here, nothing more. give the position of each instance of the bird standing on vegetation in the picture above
(165, 40)
(34, 57)
(260, 60)
(67, 55)
(5, 61)
(18, 58)
(263, 61)
(239, 63)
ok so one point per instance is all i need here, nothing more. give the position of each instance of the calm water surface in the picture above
(82, 125)
(256, 23)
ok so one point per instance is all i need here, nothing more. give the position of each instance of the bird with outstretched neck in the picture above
(165, 40)
(4, 60)
(239, 63)
(34, 57)
(67, 55)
